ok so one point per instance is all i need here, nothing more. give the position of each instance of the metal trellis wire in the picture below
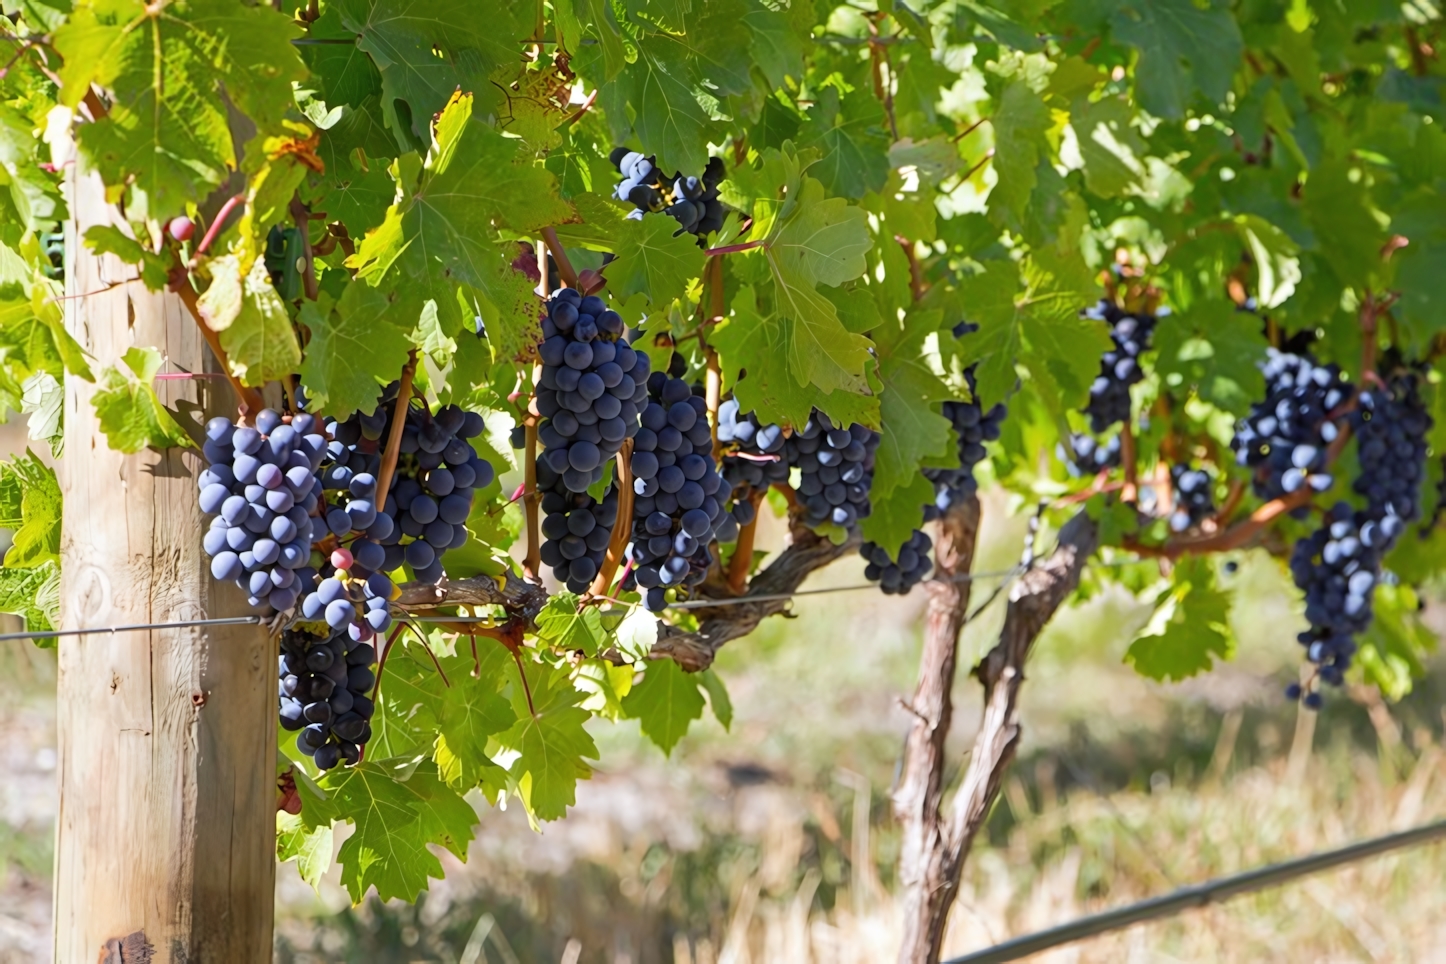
(1200, 895)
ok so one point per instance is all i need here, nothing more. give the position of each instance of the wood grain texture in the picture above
(166, 738)
(924, 851)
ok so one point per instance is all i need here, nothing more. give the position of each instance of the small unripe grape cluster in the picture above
(325, 694)
(262, 487)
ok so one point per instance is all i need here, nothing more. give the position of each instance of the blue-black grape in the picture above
(1339, 565)
(755, 457)
(836, 470)
(1285, 438)
(261, 485)
(589, 393)
(325, 694)
(1109, 402)
(1194, 497)
(678, 495)
(899, 573)
(691, 201)
(974, 425)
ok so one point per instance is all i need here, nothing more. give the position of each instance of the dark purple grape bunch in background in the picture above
(691, 201)
(974, 425)
(1285, 439)
(679, 497)
(1109, 402)
(755, 457)
(1194, 497)
(262, 487)
(325, 694)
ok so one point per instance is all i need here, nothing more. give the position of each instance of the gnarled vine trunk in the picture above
(936, 844)
(166, 831)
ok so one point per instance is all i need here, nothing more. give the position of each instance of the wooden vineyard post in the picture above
(167, 738)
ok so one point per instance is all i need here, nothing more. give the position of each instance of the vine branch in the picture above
(399, 422)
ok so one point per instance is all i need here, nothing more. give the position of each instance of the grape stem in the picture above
(969, 130)
(216, 224)
(742, 562)
(621, 527)
(425, 645)
(559, 254)
(736, 248)
(399, 422)
(377, 685)
(302, 217)
(1131, 490)
(918, 284)
(248, 399)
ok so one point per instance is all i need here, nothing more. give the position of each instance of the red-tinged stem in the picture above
(526, 687)
(736, 248)
(621, 529)
(559, 254)
(216, 224)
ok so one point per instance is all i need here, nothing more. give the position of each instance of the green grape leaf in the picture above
(562, 625)
(1032, 316)
(850, 136)
(395, 819)
(669, 118)
(1190, 628)
(777, 46)
(356, 346)
(553, 745)
(167, 127)
(819, 241)
(718, 699)
(130, 414)
(1421, 265)
(895, 517)
(597, 17)
(665, 703)
(253, 322)
(650, 260)
(42, 402)
(342, 72)
(1019, 123)
(33, 594)
(108, 239)
(1339, 211)
(310, 847)
(1216, 348)
(912, 428)
(1183, 47)
(749, 340)
(1397, 644)
(427, 51)
(1111, 149)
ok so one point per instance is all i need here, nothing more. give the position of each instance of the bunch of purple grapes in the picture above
(261, 484)
(1194, 497)
(1285, 438)
(326, 682)
(899, 573)
(679, 497)
(1109, 402)
(836, 463)
(691, 201)
(589, 393)
(755, 457)
(1339, 565)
